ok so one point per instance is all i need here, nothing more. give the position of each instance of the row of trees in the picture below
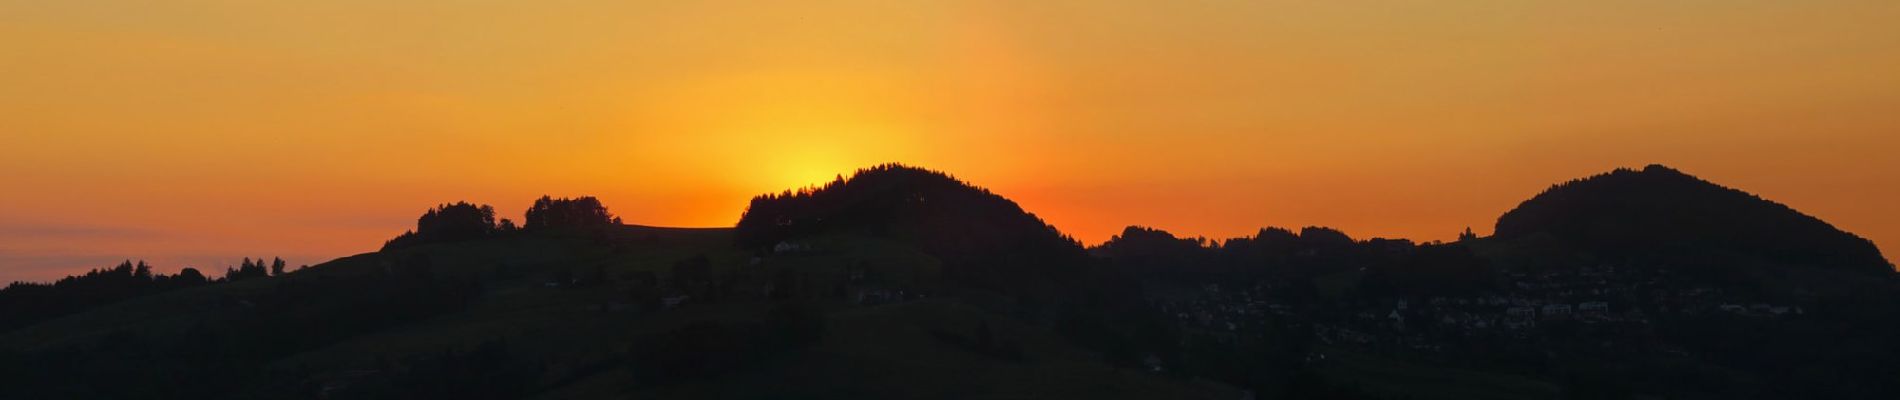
(26, 303)
(463, 221)
(235, 334)
(1392, 266)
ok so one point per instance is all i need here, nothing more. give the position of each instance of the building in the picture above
(1554, 311)
(672, 302)
(789, 247)
(1594, 306)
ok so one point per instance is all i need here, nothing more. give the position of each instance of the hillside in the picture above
(1664, 215)
(930, 209)
(988, 244)
(576, 310)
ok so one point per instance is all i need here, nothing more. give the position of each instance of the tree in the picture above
(277, 267)
(247, 270)
(455, 222)
(25, 303)
(189, 277)
(563, 213)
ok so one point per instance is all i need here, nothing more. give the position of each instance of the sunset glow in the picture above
(193, 133)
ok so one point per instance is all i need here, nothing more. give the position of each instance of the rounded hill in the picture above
(1659, 213)
(930, 209)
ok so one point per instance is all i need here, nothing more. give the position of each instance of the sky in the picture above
(193, 133)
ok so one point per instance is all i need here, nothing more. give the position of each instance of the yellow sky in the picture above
(195, 132)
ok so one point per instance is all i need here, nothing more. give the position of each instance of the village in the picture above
(1607, 302)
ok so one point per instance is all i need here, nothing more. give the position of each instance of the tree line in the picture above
(464, 221)
(26, 303)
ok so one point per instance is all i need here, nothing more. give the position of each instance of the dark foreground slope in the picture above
(579, 310)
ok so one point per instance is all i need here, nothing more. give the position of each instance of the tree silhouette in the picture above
(455, 222)
(23, 303)
(585, 212)
(246, 270)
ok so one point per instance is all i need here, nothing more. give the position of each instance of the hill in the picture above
(1661, 214)
(929, 209)
(901, 282)
(988, 244)
(461, 309)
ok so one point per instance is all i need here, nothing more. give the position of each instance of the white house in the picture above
(1594, 307)
(1556, 310)
(672, 302)
(789, 247)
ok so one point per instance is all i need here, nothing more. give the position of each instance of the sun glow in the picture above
(211, 128)
(784, 129)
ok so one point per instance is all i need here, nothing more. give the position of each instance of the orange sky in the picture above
(194, 132)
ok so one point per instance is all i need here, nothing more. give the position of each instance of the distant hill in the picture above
(1659, 213)
(984, 239)
(932, 208)
(987, 244)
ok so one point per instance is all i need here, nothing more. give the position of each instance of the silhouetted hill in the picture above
(988, 245)
(1662, 214)
(944, 214)
(984, 239)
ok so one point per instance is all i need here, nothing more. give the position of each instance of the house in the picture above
(789, 247)
(1553, 311)
(875, 296)
(1516, 323)
(1594, 307)
(1521, 312)
(674, 301)
(644, 279)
